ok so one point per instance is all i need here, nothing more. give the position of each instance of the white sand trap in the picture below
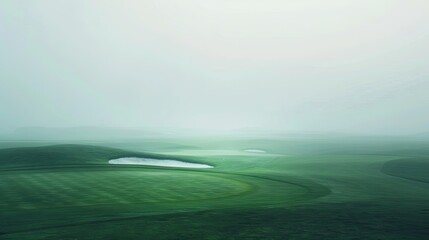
(254, 150)
(157, 162)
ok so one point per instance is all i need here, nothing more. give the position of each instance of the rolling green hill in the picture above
(66, 154)
(416, 169)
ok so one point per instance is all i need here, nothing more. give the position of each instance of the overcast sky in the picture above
(334, 65)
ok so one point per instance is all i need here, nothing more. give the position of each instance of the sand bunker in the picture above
(255, 150)
(157, 162)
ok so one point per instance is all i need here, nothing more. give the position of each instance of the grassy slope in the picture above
(65, 154)
(56, 155)
(416, 169)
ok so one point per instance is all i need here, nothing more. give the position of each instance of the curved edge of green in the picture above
(415, 169)
(71, 154)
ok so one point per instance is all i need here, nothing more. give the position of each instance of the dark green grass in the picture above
(57, 155)
(416, 169)
(66, 154)
(354, 220)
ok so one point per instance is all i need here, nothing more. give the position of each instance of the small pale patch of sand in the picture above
(158, 162)
(254, 150)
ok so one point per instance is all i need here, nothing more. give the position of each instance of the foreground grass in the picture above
(321, 221)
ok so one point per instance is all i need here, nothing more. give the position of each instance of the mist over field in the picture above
(214, 119)
(329, 66)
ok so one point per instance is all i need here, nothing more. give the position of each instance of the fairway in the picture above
(68, 190)
(35, 187)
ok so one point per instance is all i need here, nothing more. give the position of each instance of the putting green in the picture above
(39, 189)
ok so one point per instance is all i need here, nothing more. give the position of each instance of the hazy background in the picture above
(345, 66)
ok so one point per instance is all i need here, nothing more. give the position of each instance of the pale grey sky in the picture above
(335, 65)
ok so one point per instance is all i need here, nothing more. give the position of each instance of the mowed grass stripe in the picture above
(60, 189)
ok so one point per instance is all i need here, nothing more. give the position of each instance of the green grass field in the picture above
(309, 188)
